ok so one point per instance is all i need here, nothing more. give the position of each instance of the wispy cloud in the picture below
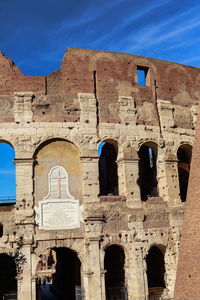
(7, 172)
(162, 29)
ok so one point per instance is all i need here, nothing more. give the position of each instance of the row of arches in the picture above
(147, 177)
(108, 176)
(63, 269)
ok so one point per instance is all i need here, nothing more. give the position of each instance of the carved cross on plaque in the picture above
(59, 210)
(59, 178)
(58, 184)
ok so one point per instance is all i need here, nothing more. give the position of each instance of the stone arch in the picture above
(63, 266)
(179, 81)
(7, 174)
(114, 264)
(62, 153)
(108, 175)
(184, 155)
(155, 270)
(46, 141)
(180, 68)
(98, 56)
(147, 181)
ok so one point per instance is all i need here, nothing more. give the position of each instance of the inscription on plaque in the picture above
(59, 210)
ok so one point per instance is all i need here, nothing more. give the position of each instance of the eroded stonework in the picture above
(60, 120)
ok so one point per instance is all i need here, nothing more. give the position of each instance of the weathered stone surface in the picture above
(60, 120)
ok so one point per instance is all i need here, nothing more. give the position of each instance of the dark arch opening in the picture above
(60, 268)
(115, 276)
(108, 178)
(1, 230)
(184, 155)
(148, 171)
(155, 271)
(8, 273)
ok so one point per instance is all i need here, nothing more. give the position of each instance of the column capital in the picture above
(24, 161)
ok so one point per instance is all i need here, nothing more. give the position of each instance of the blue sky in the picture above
(35, 34)
(7, 171)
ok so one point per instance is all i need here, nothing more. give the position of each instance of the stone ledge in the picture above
(112, 198)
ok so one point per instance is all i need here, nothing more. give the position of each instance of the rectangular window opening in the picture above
(143, 75)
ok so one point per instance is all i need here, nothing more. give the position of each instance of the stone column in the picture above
(25, 282)
(136, 275)
(103, 287)
(87, 284)
(33, 279)
(90, 178)
(93, 229)
(22, 109)
(95, 264)
(128, 186)
(169, 181)
(24, 191)
(88, 108)
(24, 218)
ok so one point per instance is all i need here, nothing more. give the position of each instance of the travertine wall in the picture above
(95, 97)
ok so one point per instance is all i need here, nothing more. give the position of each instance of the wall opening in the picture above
(8, 273)
(59, 272)
(184, 155)
(155, 272)
(108, 178)
(52, 153)
(115, 275)
(148, 171)
(143, 76)
(1, 230)
(7, 175)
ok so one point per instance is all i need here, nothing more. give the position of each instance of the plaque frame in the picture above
(56, 202)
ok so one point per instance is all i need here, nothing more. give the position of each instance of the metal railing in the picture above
(8, 296)
(7, 199)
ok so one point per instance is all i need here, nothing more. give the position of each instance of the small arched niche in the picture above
(52, 153)
(148, 170)
(60, 269)
(8, 275)
(115, 275)
(108, 177)
(184, 155)
(7, 174)
(155, 271)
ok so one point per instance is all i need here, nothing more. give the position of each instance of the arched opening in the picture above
(62, 153)
(108, 178)
(184, 155)
(7, 174)
(8, 273)
(148, 170)
(155, 272)
(1, 230)
(59, 275)
(115, 276)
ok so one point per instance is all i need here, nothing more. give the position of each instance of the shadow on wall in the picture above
(184, 155)
(108, 178)
(148, 171)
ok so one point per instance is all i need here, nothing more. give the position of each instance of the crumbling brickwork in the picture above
(93, 98)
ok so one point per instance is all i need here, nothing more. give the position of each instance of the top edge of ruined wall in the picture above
(120, 55)
(12, 67)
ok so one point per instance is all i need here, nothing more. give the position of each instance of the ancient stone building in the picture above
(102, 164)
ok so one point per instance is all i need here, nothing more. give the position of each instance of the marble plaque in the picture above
(57, 215)
(59, 209)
